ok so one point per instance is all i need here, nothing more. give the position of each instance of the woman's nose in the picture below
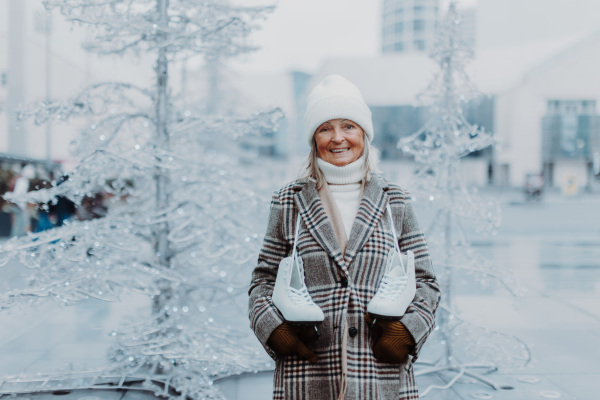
(338, 135)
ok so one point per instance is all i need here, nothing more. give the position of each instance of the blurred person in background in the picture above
(20, 216)
(42, 219)
(92, 207)
(343, 237)
(62, 208)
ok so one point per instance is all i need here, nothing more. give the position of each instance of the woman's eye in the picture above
(349, 126)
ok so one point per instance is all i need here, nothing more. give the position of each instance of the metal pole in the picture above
(48, 90)
(17, 133)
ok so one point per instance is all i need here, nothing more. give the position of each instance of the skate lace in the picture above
(299, 297)
(391, 287)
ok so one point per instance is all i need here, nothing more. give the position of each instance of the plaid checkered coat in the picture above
(342, 285)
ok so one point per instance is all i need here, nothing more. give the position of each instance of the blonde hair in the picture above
(312, 171)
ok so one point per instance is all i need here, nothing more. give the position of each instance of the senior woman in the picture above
(344, 234)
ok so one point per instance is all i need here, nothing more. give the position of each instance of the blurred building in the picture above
(547, 116)
(34, 67)
(541, 103)
(411, 25)
(541, 95)
(469, 23)
(41, 56)
(541, 82)
(570, 140)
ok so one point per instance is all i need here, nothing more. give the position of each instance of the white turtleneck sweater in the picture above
(345, 185)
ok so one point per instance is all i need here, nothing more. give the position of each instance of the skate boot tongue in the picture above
(297, 275)
(395, 266)
(397, 271)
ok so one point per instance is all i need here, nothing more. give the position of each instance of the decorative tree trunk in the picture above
(162, 132)
(161, 230)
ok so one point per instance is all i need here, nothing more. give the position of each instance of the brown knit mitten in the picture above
(285, 341)
(392, 342)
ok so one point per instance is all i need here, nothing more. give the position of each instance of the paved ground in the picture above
(553, 247)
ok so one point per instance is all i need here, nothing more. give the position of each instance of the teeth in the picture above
(339, 150)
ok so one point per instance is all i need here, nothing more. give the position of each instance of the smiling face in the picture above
(339, 141)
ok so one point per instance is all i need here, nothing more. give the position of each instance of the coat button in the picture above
(353, 331)
(344, 281)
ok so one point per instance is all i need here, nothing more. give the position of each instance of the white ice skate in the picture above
(290, 294)
(398, 286)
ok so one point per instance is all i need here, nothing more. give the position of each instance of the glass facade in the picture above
(419, 20)
(570, 133)
(409, 25)
(419, 45)
(570, 130)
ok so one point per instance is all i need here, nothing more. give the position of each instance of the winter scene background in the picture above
(140, 142)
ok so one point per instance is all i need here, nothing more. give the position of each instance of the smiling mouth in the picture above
(338, 151)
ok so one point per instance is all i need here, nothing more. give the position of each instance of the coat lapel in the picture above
(370, 211)
(315, 218)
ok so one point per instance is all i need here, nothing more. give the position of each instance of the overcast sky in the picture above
(299, 34)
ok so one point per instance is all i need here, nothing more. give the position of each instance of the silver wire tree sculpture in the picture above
(440, 145)
(182, 225)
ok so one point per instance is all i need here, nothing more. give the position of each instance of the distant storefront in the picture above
(570, 138)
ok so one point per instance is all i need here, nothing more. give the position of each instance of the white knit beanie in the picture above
(336, 97)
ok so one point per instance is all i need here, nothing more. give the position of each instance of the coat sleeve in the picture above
(264, 316)
(419, 318)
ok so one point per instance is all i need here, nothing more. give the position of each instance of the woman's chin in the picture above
(339, 161)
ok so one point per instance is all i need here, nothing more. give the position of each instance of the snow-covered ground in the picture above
(552, 246)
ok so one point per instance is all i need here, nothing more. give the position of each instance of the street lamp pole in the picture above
(48, 22)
